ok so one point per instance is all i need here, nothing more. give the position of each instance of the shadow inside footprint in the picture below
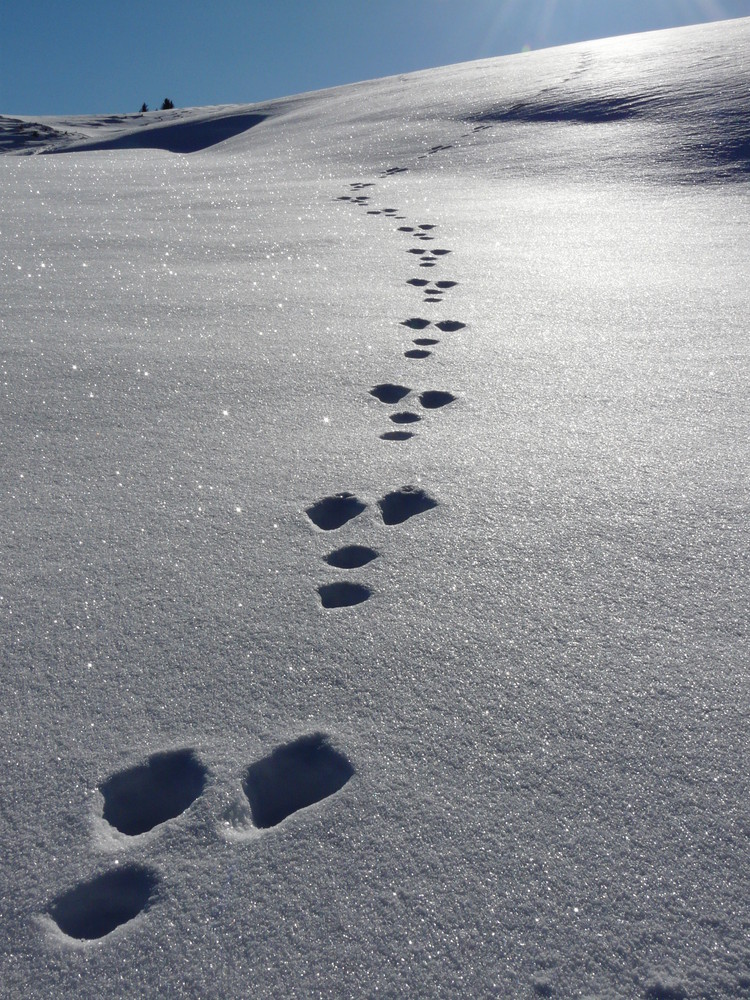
(433, 399)
(419, 282)
(417, 353)
(387, 392)
(450, 325)
(343, 594)
(425, 341)
(331, 513)
(402, 504)
(416, 323)
(93, 909)
(446, 284)
(142, 797)
(396, 436)
(405, 417)
(293, 777)
(351, 557)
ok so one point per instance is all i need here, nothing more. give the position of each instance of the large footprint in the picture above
(294, 777)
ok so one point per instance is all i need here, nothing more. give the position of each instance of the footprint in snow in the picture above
(404, 417)
(396, 436)
(400, 505)
(450, 325)
(351, 557)
(416, 323)
(147, 795)
(417, 354)
(294, 777)
(418, 282)
(387, 392)
(343, 594)
(425, 341)
(332, 512)
(433, 399)
(91, 910)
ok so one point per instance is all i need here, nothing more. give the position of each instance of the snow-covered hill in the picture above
(374, 585)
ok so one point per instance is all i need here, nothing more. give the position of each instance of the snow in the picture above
(510, 756)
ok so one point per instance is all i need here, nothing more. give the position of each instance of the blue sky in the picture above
(82, 57)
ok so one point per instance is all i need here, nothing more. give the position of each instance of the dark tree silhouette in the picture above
(144, 107)
(167, 105)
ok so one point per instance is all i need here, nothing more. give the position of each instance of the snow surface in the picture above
(510, 758)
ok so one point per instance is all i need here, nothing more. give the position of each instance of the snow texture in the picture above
(374, 586)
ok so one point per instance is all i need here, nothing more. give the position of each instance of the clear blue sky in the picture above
(80, 57)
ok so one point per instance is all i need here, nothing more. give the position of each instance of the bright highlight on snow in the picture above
(374, 591)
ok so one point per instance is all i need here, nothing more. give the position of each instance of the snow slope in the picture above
(297, 708)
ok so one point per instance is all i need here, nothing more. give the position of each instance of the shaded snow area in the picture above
(374, 512)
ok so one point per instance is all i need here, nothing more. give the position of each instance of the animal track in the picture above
(426, 225)
(425, 341)
(406, 229)
(387, 392)
(397, 435)
(142, 797)
(417, 353)
(332, 512)
(433, 399)
(419, 282)
(343, 594)
(445, 284)
(94, 909)
(416, 250)
(416, 323)
(351, 557)
(450, 325)
(400, 505)
(440, 253)
(394, 170)
(294, 777)
(405, 417)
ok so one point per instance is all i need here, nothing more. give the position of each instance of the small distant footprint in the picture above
(405, 417)
(400, 505)
(351, 557)
(425, 341)
(416, 323)
(387, 392)
(416, 250)
(343, 594)
(450, 325)
(433, 399)
(417, 353)
(405, 229)
(396, 435)
(94, 909)
(439, 253)
(142, 797)
(394, 170)
(446, 284)
(427, 225)
(332, 512)
(419, 282)
(294, 777)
